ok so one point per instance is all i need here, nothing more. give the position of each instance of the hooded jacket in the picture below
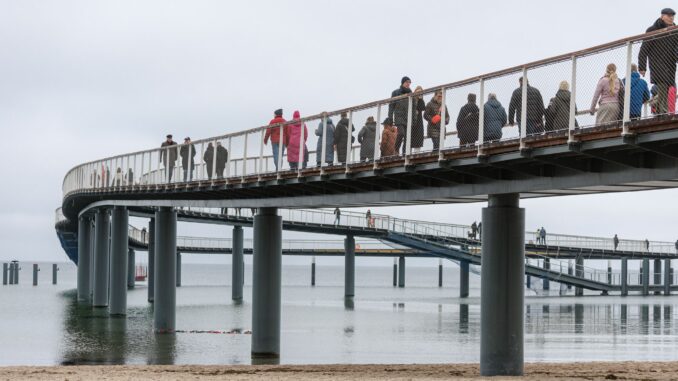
(340, 138)
(366, 139)
(495, 119)
(388, 139)
(329, 141)
(293, 139)
(557, 114)
(639, 93)
(662, 54)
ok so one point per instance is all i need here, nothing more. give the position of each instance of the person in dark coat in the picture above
(168, 156)
(535, 109)
(468, 121)
(341, 135)
(208, 157)
(432, 116)
(187, 152)
(366, 138)
(329, 142)
(494, 119)
(397, 110)
(615, 241)
(557, 114)
(661, 54)
(222, 159)
(418, 107)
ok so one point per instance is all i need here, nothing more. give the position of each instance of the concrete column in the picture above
(84, 258)
(55, 269)
(16, 272)
(609, 271)
(395, 272)
(657, 269)
(266, 300)
(646, 276)
(35, 274)
(569, 272)
(579, 272)
(92, 251)
(440, 272)
(131, 269)
(151, 260)
(101, 258)
(5, 269)
(165, 270)
(667, 276)
(178, 281)
(624, 277)
(528, 281)
(119, 253)
(502, 291)
(238, 260)
(401, 271)
(11, 273)
(313, 271)
(547, 266)
(349, 266)
(463, 279)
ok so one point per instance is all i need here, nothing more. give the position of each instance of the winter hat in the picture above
(405, 79)
(388, 122)
(278, 112)
(296, 114)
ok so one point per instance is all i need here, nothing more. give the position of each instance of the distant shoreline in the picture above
(534, 371)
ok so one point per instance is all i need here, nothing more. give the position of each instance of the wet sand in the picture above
(537, 371)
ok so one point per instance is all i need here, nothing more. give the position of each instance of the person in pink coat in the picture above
(294, 138)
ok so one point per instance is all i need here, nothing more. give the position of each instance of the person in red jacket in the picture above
(273, 133)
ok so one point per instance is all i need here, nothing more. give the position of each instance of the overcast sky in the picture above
(81, 80)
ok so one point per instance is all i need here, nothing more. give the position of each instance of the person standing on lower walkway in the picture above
(542, 235)
(615, 240)
(647, 245)
(660, 53)
(368, 217)
(606, 97)
(337, 216)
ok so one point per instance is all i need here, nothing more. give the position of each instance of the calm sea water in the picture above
(418, 324)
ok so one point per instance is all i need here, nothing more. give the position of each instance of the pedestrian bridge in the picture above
(573, 156)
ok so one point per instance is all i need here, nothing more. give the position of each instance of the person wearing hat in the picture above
(366, 138)
(168, 156)
(388, 138)
(187, 153)
(273, 132)
(660, 53)
(397, 110)
(432, 116)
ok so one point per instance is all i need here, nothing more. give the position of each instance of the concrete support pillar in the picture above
(440, 272)
(646, 277)
(178, 281)
(266, 301)
(150, 275)
(11, 273)
(131, 269)
(55, 269)
(238, 261)
(579, 272)
(313, 271)
(5, 270)
(667, 276)
(35, 274)
(395, 272)
(101, 258)
(657, 269)
(165, 270)
(502, 291)
(547, 266)
(401, 271)
(624, 277)
(609, 272)
(349, 266)
(463, 279)
(84, 258)
(119, 253)
(528, 281)
(16, 272)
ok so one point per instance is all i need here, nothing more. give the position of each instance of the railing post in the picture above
(261, 152)
(201, 158)
(323, 148)
(191, 151)
(281, 147)
(228, 158)
(573, 102)
(627, 91)
(302, 146)
(408, 132)
(349, 135)
(481, 117)
(523, 110)
(443, 118)
(244, 159)
(214, 160)
(377, 139)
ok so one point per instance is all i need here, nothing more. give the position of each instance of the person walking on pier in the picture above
(639, 92)
(474, 230)
(418, 107)
(495, 119)
(535, 109)
(432, 114)
(398, 111)
(368, 217)
(273, 132)
(615, 241)
(468, 121)
(168, 156)
(661, 55)
(647, 245)
(607, 96)
(388, 138)
(295, 149)
(337, 216)
(542, 235)
(341, 135)
(366, 138)
(187, 152)
(329, 142)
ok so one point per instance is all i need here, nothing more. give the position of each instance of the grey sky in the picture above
(81, 80)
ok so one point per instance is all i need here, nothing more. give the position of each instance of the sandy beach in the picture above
(539, 371)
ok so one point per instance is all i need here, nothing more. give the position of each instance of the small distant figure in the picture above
(238, 212)
(538, 235)
(535, 108)
(273, 132)
(337, 216)
(468, 121)
(418, 107)
(432, 114)
(480, 230)
(168, 156)
(615, 240)
(398, 111)
(253, 211)
(143, 235)
(329, 142)
(368, 217)
(341, 136)
(129, 177)
(542, 235)
(366, 138)
(388, 138)
(187, 152)
(607, 97)
(495, 119)
(474, 230)
(118, 177)
(647, 245)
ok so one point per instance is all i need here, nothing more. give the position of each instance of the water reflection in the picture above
(578, 318)
(164, 349)
(349, 304)
(463, 318)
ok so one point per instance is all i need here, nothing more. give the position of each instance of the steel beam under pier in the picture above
(502, 290)
(463, 279)
(150, 276)
(119, 253)
(165, 294)
(237, 268)
(131, 269)
(84, 258)
(101, 258)
(349, 267)
(266, 300)
(178, 281)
